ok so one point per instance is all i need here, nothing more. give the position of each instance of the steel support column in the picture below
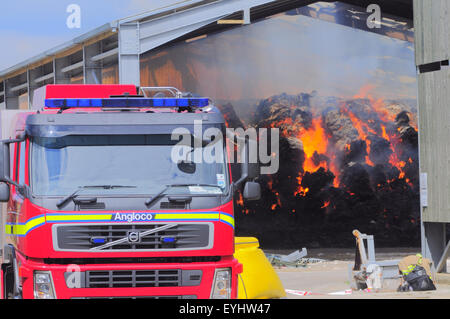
(434, 242)
(129, 50)
(138, 35)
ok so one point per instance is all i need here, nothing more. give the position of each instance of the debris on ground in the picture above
(310, 293)
(293, 260)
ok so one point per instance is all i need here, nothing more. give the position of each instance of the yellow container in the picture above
(258, 279)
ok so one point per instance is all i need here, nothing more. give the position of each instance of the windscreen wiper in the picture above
(163, 193)
(63, 201)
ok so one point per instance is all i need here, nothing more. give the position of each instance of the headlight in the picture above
(43, 285)
(221, 288)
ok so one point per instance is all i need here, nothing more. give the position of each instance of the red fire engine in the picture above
(97, 208)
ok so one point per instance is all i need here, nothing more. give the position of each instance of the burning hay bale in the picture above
(340, 126)
(343, 164)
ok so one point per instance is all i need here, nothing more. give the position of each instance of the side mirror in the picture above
(252, 191)
(4, 192)
(250, 165)
(252, 160)
(4, 162)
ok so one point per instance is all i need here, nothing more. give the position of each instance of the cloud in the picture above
(378, 73)
(406, 79)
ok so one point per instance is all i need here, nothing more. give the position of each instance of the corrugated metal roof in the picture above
(182, 5)
(102, 30)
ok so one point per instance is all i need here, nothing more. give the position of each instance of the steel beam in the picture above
(19, 87)
(104, 55)
(44, 78)
(434, 243)
(129, 50)
(73, 67)
(442, 265)
(154, 33)
(137, 36)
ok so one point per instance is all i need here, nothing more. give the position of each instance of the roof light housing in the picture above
(124, 102)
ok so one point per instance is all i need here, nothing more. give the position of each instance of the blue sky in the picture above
(29, 27)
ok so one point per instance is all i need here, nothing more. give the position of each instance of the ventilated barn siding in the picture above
(432, 44)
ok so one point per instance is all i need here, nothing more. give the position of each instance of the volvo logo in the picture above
(134, 237)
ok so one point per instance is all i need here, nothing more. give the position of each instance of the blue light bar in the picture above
(128, 102)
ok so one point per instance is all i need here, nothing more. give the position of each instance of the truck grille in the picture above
(84, 237)
(133, 278)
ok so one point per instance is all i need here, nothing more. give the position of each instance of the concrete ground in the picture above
(331, 276)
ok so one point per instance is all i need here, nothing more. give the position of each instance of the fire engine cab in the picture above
(96, 207)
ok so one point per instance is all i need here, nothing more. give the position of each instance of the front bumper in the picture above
(59, 273)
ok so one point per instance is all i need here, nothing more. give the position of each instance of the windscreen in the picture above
(131, 164)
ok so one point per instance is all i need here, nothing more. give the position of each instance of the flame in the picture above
(240, 200)
(326, 204)
(377, 104)
(315, 142)
(379, 107)
(368, 161)
(301, 191)
(320, 151)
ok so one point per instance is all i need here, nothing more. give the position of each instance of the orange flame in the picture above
(326, 204)
(316, 142)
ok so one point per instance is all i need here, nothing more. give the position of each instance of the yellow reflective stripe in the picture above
(189, 216)
(109, 217)
(8, 229)
(227, 219)
(77, 217)
(23, 229)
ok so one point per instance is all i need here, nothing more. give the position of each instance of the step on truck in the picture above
(94, 206)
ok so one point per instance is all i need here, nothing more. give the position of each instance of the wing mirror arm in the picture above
(244, 158)
(252, 190)
(5, 158)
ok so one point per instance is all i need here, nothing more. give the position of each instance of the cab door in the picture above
(15, 206)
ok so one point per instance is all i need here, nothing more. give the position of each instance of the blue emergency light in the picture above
(168, 240)
(128, 102)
